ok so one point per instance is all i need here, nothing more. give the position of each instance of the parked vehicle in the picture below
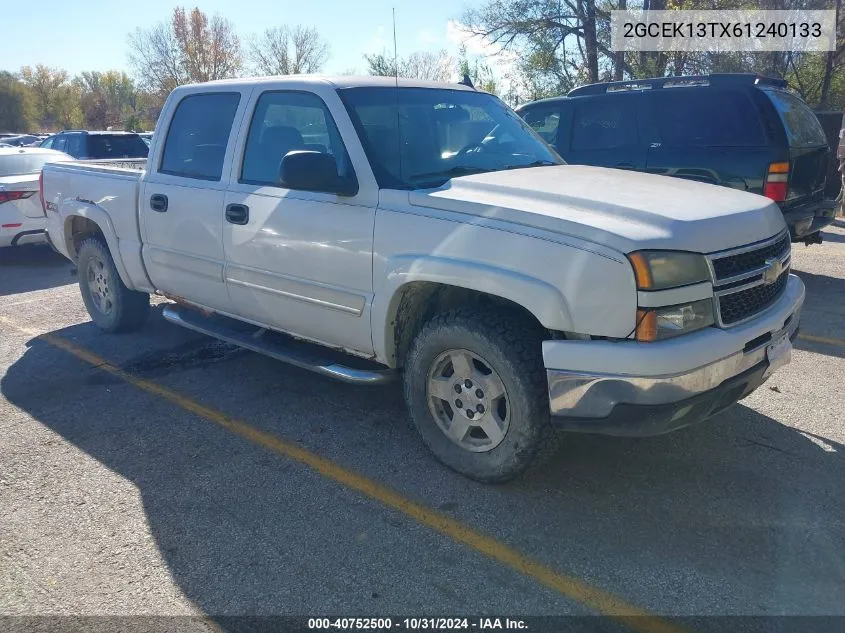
(22, 218)
(21, 140)
(146, 136)
(737, 130)
(426, 232)
(90, 145)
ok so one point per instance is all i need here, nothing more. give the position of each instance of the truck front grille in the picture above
(728, 266)
(742, 278)
(739, 306)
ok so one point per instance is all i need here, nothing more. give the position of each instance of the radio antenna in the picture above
(396, 85)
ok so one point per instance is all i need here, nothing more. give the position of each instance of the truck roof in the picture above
(338, 81)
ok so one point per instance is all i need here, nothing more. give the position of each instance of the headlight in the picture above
(655, 324)
(658, 270)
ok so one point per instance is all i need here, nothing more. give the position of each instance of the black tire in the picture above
(128, 309)
(513, 349)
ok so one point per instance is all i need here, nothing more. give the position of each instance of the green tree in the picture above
(57, 99)
(478, 71)
(107, 98)
(17, 107)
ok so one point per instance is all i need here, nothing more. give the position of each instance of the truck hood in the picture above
(623, 210)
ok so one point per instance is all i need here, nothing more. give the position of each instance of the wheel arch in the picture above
(90, 221)
(419, 287)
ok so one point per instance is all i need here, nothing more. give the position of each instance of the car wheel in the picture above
(112, 306)
(475, 387)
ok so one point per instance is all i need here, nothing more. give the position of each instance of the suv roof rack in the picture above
(715, 79)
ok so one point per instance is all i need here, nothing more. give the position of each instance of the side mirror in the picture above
(314, 171)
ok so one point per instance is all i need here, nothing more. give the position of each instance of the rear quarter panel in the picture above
(106, 195)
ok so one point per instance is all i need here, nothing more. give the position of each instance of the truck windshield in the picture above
(416, 138)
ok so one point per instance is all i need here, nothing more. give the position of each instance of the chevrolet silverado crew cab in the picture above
(367, 229)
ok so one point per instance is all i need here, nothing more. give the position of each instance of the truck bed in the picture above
(104, 191)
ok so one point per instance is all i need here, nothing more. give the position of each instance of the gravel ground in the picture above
(118, 501)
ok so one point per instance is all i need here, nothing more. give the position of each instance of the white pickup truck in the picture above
(366, 229)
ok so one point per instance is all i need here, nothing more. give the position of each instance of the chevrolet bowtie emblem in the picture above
(772, 271)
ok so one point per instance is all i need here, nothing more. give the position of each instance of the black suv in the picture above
(85, 145)
(737, 130)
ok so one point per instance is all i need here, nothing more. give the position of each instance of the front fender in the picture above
(542, 299)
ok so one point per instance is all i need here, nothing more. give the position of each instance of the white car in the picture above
(22, 219)
(428, 231)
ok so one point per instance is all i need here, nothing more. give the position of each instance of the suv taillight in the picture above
(777, 182)
(41, 192)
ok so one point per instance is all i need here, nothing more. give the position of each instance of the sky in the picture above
(82, 35)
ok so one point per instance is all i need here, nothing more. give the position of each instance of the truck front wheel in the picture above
(476, 391)
(112, 306)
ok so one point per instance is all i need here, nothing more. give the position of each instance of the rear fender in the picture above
(85, 209)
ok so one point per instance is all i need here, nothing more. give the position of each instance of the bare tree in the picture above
(288, 51)
(189, 48)
(419, 65)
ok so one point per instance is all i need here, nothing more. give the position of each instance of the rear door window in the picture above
(706, 118)
(802, 127)
(603, 124)
(76, 145)
(195, 146)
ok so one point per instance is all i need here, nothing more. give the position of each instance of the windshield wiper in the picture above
(536, 163)
(442, 176)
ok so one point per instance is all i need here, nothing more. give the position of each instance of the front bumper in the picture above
(654, 388)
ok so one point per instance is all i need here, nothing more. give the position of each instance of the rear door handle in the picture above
(158, 202)
(237, 214)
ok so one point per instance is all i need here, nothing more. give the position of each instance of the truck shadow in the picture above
(740, 510)
(28, 268)
(823, 313)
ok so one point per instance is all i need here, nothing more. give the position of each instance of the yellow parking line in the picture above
(569, 586)
(825, 340)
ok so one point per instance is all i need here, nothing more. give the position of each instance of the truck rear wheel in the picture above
(476, 391)
(112, 306)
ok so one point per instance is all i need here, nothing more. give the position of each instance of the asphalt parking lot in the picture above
(163, 473)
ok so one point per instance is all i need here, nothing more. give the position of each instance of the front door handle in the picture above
(237, 214)
(158, 202)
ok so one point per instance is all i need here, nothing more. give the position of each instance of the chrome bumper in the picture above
(581, 395)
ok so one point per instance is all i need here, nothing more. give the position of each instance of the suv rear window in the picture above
(802, 127)
(688, 117)
(116, 146)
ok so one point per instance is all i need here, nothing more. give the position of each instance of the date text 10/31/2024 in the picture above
(413, 624)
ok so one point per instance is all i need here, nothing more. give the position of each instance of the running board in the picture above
(287, 349)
